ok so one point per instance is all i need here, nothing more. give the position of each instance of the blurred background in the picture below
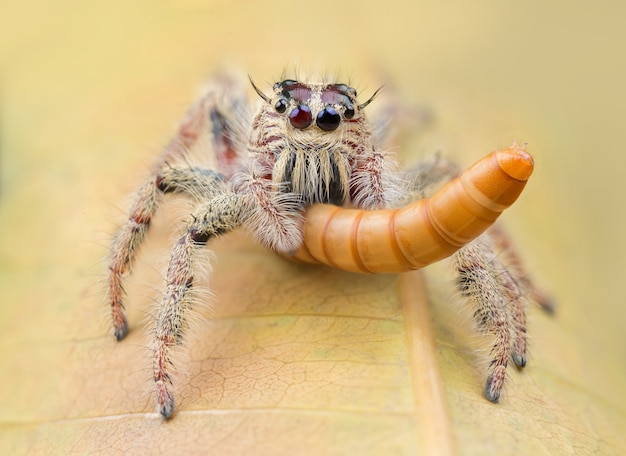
(90, 91)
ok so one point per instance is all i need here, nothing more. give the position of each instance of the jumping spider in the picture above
(308, 143)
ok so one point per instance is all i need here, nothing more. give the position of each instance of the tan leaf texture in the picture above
(284, 358)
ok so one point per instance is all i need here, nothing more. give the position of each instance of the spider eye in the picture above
(349, 112)
(328, 119)
(300, 116)
(281, 106)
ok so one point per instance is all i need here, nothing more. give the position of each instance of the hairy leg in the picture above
(418, 182)
(515, 264)
(208, 124)
(197, 182)
(124, 250)
(426, 176)
(222, 214)
(498, 308)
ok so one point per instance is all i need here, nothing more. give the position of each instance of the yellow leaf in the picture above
(286, 358)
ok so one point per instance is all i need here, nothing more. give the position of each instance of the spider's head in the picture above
(316, 106)
(306, 137)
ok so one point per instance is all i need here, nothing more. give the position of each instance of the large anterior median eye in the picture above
(300, 116)
(328, 119)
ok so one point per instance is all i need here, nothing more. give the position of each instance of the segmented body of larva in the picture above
(425, 231)
(311, 143)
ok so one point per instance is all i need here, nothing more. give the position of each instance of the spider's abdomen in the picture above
(318, 176)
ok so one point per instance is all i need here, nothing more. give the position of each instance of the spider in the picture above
(312, 143)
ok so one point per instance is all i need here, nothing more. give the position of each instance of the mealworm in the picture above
(426, 231)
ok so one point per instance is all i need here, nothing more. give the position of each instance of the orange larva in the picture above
(428, 230)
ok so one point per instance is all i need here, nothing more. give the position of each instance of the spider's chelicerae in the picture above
(312, 143)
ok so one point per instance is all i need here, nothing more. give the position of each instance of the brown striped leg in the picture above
(212, 115)
(222, 214)
(514, 262)
(197, 182)
(124, 249)
(498, 309)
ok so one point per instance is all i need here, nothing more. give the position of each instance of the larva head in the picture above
(305, 135)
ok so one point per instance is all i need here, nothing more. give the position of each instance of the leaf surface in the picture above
(282, 358)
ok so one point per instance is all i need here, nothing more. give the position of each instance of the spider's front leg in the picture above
(498, 309)
(492, 278)
(208, 122)
(196, 182)
(221, 214)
